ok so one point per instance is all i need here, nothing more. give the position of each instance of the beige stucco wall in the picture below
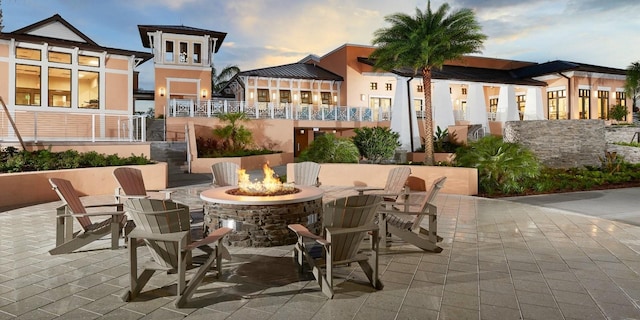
(181, 83)
(27, 188)
(462, 181)
(203, 165)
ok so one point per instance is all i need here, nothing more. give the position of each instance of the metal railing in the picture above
(48, 125)
(268, 110)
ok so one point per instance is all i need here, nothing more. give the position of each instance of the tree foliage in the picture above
(377, 143)
(328, 148)
(234, 135)
(220, 80)
(423, 42)
(632, 83)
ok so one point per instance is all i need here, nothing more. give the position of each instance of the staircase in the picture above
(173, 153)
(155, 129)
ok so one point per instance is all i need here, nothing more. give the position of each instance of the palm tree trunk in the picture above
(428, 117)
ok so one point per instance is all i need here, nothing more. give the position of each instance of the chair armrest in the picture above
(91, 214)
(361, 191)
(172, 236)
(214, 236)
(167, 193)
(365, 228)
(124, 196)
(302, 231)
(118, 206)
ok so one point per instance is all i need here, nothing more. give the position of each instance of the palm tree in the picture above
(632, 83)
(423, 42)
(219, 81)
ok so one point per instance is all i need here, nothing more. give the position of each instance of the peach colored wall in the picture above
(117, 91)
(117, 63)
(27, 188)
(462, 181)
(4, 72)
(121, 149)
(179, 87)
(76, 124)
(203, 165)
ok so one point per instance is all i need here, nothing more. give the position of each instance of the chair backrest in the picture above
(69, 196)
(225, 174)
(396, 179)
(160, 216)
(306, 173)
(131, 181)
(349, 212)
(429, 199)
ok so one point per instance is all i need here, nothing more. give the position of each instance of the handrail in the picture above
(13, 124)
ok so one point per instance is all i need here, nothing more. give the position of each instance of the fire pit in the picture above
(259, 212)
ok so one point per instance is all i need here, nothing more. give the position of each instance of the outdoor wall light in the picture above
(301, 131)
(273, 96)
(162, 92)
(251, 95)
(335, 98)
(362, 97)
(203, 92)
(295, 97)
(315, 97)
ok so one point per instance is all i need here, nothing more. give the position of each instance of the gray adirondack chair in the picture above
(225, 174)
(131, 185)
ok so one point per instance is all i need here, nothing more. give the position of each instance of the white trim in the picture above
(557, 88)
(604, 88)
(584, 87)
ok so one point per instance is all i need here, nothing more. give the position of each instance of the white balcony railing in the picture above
(35, 126)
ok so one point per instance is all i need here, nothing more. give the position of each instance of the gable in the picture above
(56, 30)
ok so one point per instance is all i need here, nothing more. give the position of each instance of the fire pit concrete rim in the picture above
(220, 195)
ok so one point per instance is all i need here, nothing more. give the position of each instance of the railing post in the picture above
(208, 108)
(143, 133)
(271, 110)
(225, 106)
(192, 107)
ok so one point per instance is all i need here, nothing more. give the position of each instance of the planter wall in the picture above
(203, 165)
(27, 188)
(437, 157)
(463, 181)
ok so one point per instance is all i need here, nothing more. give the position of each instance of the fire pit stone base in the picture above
(263, 225)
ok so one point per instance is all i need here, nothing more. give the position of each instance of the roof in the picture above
(179, 29)
(563, 66)
(462, 73)
(56, 31)
(294, 71)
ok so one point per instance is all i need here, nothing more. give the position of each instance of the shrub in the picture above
(377, 143)
(444, 141)
(502, 166)
(618, 112)
(328, 148)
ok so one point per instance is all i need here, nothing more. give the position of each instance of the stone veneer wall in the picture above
(623, 134)
(560, 143)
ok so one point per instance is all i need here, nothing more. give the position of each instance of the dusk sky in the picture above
(274, 32)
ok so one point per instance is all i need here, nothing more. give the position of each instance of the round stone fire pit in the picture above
(261, 221)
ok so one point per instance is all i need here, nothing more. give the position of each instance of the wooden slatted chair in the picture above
(164, 226)
(403, 217)
(347, 221)
(66, 239)
(394, 186)
(225, 174)
(131, 185)
(306, 173)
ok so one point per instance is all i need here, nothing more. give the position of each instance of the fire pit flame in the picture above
(269, 186)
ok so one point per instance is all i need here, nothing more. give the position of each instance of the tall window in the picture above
(59, 87)
(418, 106)
(584, 95)
(388, 86)
(88, 89)
(521, 100)
(493, 105)
(620, 100)
(197, 52)
(305, 97)
(168, 51)
(381, 108)
(263, 95)
(603, 104)
(557, 104)
(27, 85)
(325, 97)
(184, 58)
(373, 85)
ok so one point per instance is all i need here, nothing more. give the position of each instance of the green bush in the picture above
(328, 148)
(618, 112)
(20, 161)
(502, 166)
(377, 143)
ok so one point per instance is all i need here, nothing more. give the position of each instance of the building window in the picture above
(285, 96)
(420, 88)
(584, 95)
(381, 108)
(621, 100)
(603, 104)
(183, 53)
(418, 106)
(521, 101)
(263, 95)
(374, 86)
(197, 52)
(493, 105)
(59, 87)
(27, 85)
(59, 57)
(28, 54)
(168, 51)
(88, 61)
(464, 91)
(557, 104)
(388, 86)
(325, 97)
(305, 97)
(88, 89)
